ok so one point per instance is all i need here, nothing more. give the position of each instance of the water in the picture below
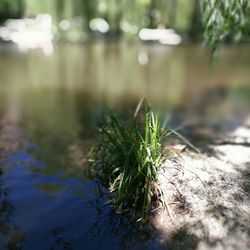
(49, 110)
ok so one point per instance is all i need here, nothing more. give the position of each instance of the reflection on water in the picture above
(49, 112)
(55, 212)
(111, 71)
(11, 236)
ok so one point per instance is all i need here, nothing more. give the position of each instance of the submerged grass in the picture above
(127, 160)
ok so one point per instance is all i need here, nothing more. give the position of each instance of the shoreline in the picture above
(207, 196)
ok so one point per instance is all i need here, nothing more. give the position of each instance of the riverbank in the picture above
(208, 196)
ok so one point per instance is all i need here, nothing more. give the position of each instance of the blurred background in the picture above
(80, 20)
(63, 63)
(115, 50)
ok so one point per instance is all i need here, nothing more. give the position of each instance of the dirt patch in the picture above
(208, 198)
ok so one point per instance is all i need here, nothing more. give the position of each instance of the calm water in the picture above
(49, 111)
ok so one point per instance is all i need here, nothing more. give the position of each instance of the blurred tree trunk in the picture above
(118, 18)
(88, 12)
(151, 14)
(21, 6)
(60, 9)
(172, 13)
(196, 27)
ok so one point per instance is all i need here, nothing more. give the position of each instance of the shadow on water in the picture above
(11, 236)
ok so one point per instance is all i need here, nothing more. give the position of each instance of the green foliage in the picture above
(11, 9)
(225, 21)
(127, 160)
(126, 16)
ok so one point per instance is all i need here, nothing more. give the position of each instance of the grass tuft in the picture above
(127, 160)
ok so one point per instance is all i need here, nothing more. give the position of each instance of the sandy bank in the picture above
(208, 197)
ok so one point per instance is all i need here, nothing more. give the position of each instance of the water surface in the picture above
(49, 111)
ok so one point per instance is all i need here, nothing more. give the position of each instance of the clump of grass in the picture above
(127, 160)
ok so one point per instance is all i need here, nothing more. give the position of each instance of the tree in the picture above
(225, 21)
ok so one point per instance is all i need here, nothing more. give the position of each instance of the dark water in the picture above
(49, 111)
